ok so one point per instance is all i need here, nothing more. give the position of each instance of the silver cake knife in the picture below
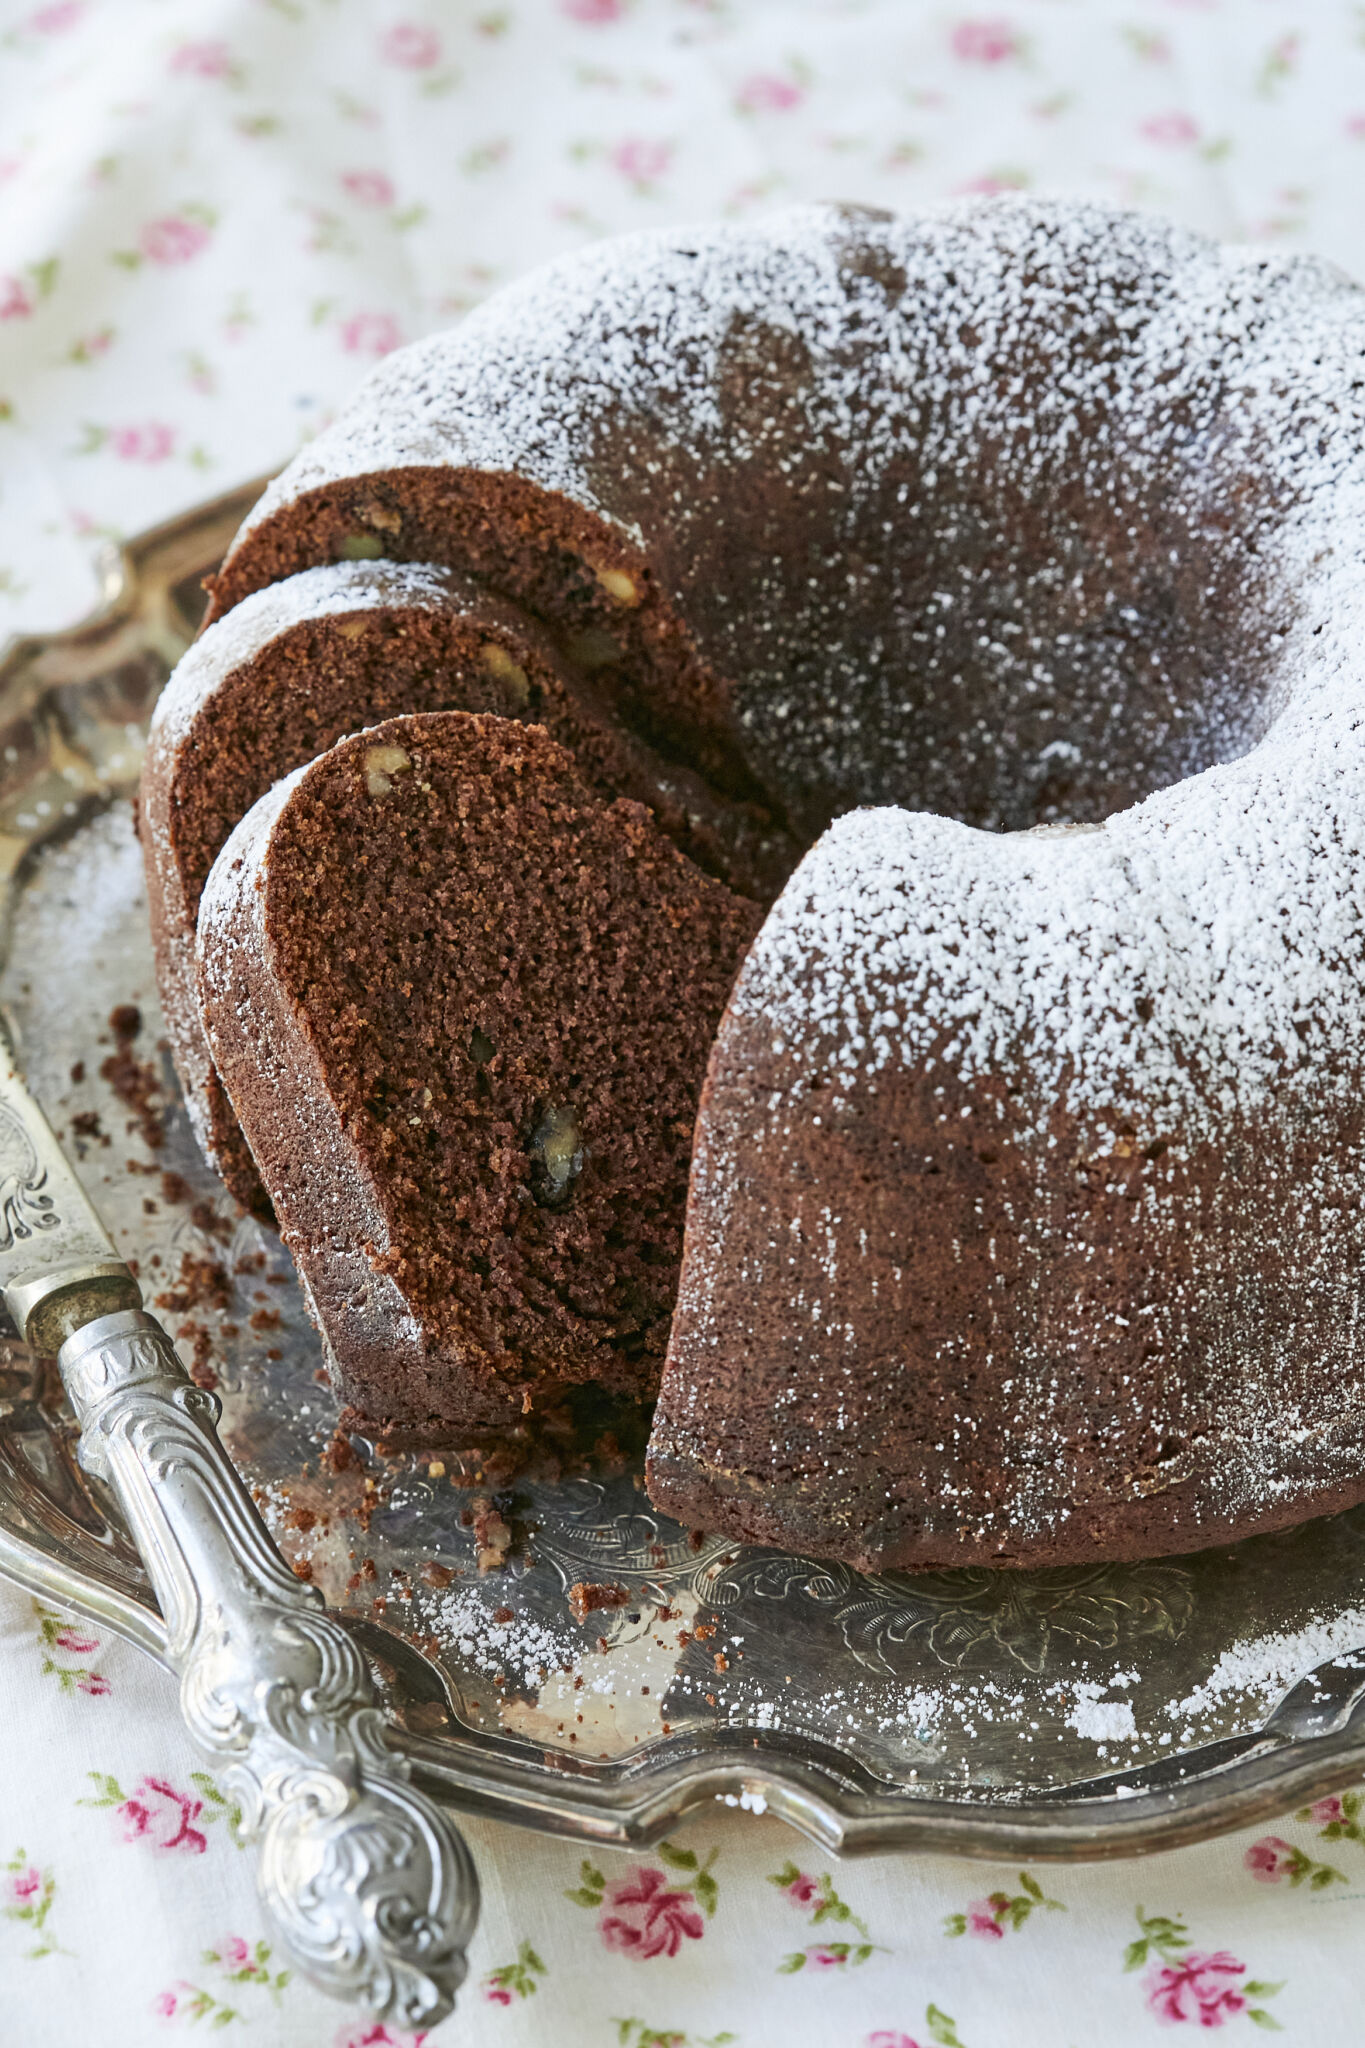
(371, 1888)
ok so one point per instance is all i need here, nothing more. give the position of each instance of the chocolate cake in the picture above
(462, 1007)
(329, 651)
(1010, 560)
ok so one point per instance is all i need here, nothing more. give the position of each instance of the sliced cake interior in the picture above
(333, 650)
(462, 1006)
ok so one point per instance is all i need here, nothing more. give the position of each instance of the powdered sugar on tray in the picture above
(1098, 1720)
(1267, 1667)
(522, 1647)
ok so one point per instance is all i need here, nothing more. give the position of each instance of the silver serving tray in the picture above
(1090, 1712)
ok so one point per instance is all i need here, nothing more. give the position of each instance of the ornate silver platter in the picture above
(1088, 1712)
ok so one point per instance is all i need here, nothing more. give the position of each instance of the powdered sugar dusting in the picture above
(234, 876)
(1152, 1028)
(649, 311)
(1059, 348)
(1230, 897)
(994, 448)
(1227, 902)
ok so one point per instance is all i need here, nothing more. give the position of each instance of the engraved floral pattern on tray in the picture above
(972, 1613)
(24, 1207)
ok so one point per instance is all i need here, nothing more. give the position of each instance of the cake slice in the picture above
(328, 652)
(462, 1006)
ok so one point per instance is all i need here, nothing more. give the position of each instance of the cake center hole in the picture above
(1013, 666)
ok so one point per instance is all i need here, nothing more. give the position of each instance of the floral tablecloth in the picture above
(213, 215)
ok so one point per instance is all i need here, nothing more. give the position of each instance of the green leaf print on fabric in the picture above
(637, 2034)
(514, 1980)
(1278, 65)
(817, 1896)
(1337, 1817)
(244, 1963)
(185, 2001)
(591, 1888)
(1159, 1936)
(219, 1806)
(989, 1917)
(64, 1641)
(702, 1884)
(237, 1961)
(88, 348)
(28, 1893)
(22, 293)
(941, 2031)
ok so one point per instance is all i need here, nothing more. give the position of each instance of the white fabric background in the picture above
(213, 215)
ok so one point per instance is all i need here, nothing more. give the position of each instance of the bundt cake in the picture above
(463, 1006)
(1023, 541)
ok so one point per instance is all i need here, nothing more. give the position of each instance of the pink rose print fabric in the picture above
(234, 1961)
(411, 46)
(992, 40)
(987, 1919)
(1338, 1818)
(69, 1650)
(644, 1915)
(216, 217)
(1203, 1988)
(1272, 1860)
(211, 59)
(820, 1902)
(165, 1817)
(27, 1896)
(647, 1917)
(161, 1815)
(370, 188)
(1186, 1986)
(176, 239)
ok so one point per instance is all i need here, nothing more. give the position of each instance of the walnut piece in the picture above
(509, 673)
(381, 765)
(619, 585)
(382, 516)
(557, 1155)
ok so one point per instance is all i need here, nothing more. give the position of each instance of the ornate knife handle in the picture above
(370, 1886)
